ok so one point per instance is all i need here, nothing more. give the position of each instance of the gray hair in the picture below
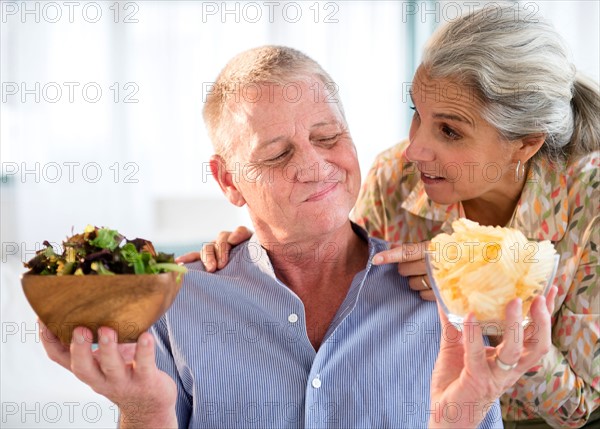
(271, 65)
(518, 68)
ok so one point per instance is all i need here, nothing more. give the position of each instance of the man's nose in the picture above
(311, 166)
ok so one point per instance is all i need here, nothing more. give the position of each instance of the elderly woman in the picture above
(505, 132)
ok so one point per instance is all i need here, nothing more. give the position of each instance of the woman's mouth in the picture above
(429, 179)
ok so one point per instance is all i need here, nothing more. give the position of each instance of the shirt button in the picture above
(316, 383)
(293, 318)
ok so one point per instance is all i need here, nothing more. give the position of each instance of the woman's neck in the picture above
(496, 208)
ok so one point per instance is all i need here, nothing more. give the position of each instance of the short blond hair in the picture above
(272, 65)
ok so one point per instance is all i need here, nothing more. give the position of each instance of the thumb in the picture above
(188, 257)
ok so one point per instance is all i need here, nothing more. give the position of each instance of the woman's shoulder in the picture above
(584, 168)
(581, 179)
(578, 172)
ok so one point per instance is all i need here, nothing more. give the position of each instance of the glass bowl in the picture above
(491, 326)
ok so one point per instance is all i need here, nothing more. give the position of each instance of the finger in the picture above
(83, 364)
(418, 283)
(55, 350)
(188, 257)
(511, 348)
(403, 253)
(412, 268)
(474, 347)
(538, 339)
(127, 351)
(551, 298)
(209, 259)
(222, 249)
(240, 234)
(110, 360)
(145, 362)
(427, 295)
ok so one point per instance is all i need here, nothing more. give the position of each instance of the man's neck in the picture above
(299, 263)
(320, 271)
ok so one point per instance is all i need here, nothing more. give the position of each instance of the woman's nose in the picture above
(418, 149)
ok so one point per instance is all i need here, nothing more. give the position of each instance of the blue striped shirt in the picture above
(236, 344)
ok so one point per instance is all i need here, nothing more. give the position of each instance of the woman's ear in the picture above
(225, 179)
(528, 146)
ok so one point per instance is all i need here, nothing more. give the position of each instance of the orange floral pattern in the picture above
(558, 203)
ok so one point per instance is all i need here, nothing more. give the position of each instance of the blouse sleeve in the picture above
(564, 388)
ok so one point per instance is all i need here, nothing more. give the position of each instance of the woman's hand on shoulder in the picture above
(410, 258)
(215, 255)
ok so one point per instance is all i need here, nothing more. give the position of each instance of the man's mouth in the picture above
(322, 193)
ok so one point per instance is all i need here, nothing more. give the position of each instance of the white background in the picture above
(134, 157)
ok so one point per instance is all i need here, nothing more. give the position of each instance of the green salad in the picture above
(102, 251)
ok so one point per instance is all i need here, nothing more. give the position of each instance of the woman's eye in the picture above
(450, 133)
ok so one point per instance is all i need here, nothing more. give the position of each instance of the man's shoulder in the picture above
(238, 252)
(378, 244)
(239, 265)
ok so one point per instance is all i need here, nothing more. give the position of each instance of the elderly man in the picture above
(300, 329)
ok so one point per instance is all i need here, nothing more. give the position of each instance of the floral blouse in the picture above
(561, 204)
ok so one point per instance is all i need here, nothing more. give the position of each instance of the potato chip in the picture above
(481, 268)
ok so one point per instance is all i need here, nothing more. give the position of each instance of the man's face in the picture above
(297, 164)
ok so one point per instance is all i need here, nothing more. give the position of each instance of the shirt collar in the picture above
(258, 254)
(541, 212)
(419, 204)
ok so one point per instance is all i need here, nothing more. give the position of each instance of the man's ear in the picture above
(226, 181)
(528, 146)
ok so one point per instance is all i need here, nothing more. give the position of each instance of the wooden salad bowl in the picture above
(128, 303)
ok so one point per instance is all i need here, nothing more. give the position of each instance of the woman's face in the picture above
(459, 155)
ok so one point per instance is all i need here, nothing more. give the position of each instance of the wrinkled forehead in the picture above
(425, 88)
(261, 111)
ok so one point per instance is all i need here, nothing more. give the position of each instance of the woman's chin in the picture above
(440, 197)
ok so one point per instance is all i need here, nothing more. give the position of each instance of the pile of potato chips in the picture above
(481, 268)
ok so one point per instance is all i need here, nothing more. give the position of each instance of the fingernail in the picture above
(144, 342)
(377, 259)
(79, 339)
(104, 339)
